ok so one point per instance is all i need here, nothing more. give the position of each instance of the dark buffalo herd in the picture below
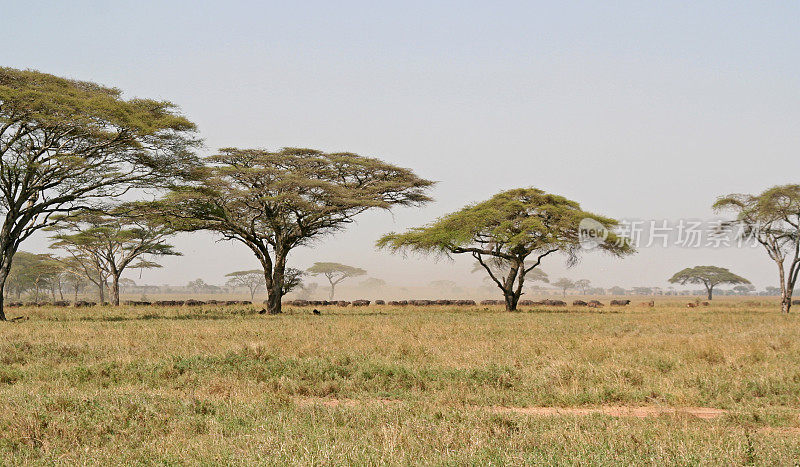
(355, 303)
(322, 303)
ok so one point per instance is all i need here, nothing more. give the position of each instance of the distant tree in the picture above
(770, 290)
(511, 226)
(305, 291)
(643, 290)
(113, 242)
(20, 279)
(617, 290)
(744, 289)
(583, 285)
(709, 276)
(564, 284)
(372, 283)
(198, 285)
(40, 271)
(32, 272)
(67, 144)
(73, 279)
(276, 201)
(773, 220)
(252, 280)
(335, 273)
(85, 270)
(125, 284)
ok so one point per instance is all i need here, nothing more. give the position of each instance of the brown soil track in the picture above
(706, 413)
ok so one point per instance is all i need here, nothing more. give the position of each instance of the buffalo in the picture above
(579, 303)
(620, 302)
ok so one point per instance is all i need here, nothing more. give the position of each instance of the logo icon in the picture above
(591, 233)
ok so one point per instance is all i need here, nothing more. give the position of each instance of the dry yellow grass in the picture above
(433, 385)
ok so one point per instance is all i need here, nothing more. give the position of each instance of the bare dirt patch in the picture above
(614, 411)
(706, 413)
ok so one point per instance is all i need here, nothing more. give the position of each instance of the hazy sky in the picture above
(634, 109)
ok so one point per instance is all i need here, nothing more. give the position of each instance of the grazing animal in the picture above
(380, 302)
(361, 302)
(651, 303)
(579, 303)
(691, 305)
(620, 302)
(262, 311)
(316, 312)
(705, 303)
(595, 304)
(554, 303)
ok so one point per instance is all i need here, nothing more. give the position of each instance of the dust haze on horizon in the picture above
(636, 111)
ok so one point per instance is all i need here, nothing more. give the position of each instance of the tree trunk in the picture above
(3, 276)
(710, 292)
(274, 281)
(786, 304)
(76, 294)
(115, 290)
(7, 251)
(102, 291)
(333, 287)
(511, 301)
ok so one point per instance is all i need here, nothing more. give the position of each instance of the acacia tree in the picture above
(67, 144)
(252, 279)
(74, 276)
(335, 273)
(583, 285)
(32, 273)
(512, 226)
(564, 284)
(771, 218)
(111, 243)
(709, 276)
(90, 269)
(744, 289)
(273, 202)
(372, 283)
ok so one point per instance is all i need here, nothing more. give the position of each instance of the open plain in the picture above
(370, 385)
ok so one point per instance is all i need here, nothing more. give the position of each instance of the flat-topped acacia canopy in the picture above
(510, 226)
